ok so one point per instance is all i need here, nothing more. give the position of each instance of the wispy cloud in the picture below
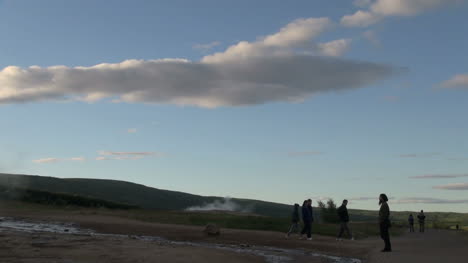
(419, 155)
(456, 186)
(367, 198)
(371, 36)
(457, 159)
(126, 153)
(375, 11)
(457, 81)
(206, 47)
(391, 98)
(47, 160)
(438, 176)
(306, 153)
(78, 159)
(290, 65)
(132, 130)
(362, 198)
(430, 200)
(55, 160)
(109, 155)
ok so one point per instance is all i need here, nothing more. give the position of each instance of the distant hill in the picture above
(135, 194)
(56, 199)
(131, 194)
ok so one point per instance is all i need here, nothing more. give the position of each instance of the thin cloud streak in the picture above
(132, 130)
(438, 176)
(456, 187)
(429, 200)
(47, 160)
(419, 155)
(306, 153)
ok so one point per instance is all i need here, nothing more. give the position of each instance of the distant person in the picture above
(307, 220)
(311, 211)
(411, 223)
(343, 216)
(457, 227)
(295, 219)
(384, 222)
(421, 221)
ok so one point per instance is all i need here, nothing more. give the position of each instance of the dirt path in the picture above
(433, 246)
(231, 246)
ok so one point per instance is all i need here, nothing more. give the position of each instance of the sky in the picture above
(271, 100)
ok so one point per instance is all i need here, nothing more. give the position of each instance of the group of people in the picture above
(343, 216)
(307, 219)
(421, 221)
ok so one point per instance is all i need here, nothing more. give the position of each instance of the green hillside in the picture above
(126, 193)
(134, 194)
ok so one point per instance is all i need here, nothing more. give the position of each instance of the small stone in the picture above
(212, 230)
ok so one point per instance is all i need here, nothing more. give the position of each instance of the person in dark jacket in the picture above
(307, 219)
(384, 222)
(421, 221)
(343, 216)
(295, 221)
(411, 223)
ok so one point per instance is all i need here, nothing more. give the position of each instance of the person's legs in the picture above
(340, 233)
(304, 228)
(385, 236)
(309, 229)
(348, 230)
(293, 229)
(422, 225)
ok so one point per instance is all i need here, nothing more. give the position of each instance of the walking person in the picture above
(343, 216)
(421, 221)
(307, 220)
(411, 223)
(309, 207)
(384, 222)
(295, 221)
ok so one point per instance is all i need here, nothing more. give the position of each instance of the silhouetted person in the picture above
(343, 216)
(295, 221)
(311, 211)
(307, 219)
(411, 223)
(421, 221)
(384, 222)
(458, 227)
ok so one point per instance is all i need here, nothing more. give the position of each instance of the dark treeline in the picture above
(58, 199)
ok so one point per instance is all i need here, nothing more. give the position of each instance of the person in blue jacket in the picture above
(307, 218)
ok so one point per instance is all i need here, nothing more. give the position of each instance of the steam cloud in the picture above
(220, 205)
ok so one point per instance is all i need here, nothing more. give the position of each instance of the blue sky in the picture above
(336, 99)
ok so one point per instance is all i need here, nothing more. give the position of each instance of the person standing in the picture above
(309, 207)
(295, 221)
(384, 222)
(343, 216)
(421, 221)
(411, 223)
(307, 220)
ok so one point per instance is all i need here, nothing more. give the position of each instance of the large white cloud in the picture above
(285, 66)
(379, 9)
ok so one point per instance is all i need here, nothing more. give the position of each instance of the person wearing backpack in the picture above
(294, 221)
